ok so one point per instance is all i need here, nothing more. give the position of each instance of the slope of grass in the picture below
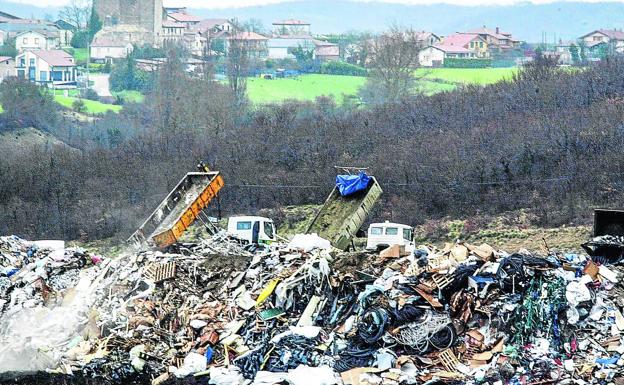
(92, 107)
(304, 87)
(481, 76)
(130, 96)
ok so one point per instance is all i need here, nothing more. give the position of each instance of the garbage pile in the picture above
(307, 314)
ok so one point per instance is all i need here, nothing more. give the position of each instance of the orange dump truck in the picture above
(179, 209)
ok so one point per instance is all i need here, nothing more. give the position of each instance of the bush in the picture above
(27, 105)
(342, 68)
(81, 39)
(467, 63)
(91, 95)
(79, 105)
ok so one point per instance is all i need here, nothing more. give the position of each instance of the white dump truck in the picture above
(252, 230)
(386, 234)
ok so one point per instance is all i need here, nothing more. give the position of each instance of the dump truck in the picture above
(341, 217)
(177, 212)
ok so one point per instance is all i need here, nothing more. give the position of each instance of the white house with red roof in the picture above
(459, 45)
(47, 67)
(105, 49)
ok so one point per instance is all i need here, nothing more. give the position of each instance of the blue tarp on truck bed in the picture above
(350, 184)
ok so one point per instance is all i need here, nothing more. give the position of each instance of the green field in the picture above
(92, 107)
(130, 96)
(305, 87)
(467, 75)
(80, 54)
(309, 87)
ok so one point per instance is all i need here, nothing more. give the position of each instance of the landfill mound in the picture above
(304, 313)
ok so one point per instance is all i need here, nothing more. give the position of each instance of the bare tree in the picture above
(77, 12)
(238, 65)
(393, 59)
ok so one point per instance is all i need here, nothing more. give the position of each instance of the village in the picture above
(46, 52)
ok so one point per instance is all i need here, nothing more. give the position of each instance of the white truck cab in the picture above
(386, 234)
(252, 230)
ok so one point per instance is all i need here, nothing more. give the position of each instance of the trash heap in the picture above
(30, 275)
(307, 314)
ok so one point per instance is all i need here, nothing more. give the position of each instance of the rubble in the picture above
(308, 314)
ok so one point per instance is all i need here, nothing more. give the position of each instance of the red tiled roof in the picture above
(459, 39)
(290, 22)
(184, 17)
(451, 48)
(172, 24)
(248, 36)
(207, 24)
(492, 32)
(55, 57)
(612, 33)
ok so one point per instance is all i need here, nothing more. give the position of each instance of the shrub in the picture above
(467, 63)
(342, 68)
(79, 105)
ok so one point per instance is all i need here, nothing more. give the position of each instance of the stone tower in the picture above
(144, 14)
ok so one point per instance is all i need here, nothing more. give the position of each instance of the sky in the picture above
(216, 4)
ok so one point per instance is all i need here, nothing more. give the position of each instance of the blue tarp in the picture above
(350, 184)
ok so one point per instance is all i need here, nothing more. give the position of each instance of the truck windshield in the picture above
(268, 229)
(243, 226)
(392, 231)
(376, 231)
(407, 234)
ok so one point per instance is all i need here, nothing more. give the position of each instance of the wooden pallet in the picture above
(159, 272)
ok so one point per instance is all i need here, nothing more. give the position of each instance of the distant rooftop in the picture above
(184, 17)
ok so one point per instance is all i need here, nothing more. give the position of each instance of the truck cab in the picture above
(386, 234)
(252, 230)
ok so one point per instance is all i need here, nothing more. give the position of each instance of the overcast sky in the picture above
(212, 4)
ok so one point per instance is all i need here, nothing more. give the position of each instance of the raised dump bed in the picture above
(179, 209)
(341, 217)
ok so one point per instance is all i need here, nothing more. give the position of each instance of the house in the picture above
(7, 67)
(432, 56)
(15, 27)
(184, 18)
(172, 31)
(47, 67)
(475, 46)
(195, 43)
(426, 39)
(603, 39)
(254, 43)
(39, 40)
(212, 27)
(495, 39)
(104, 49)
(66, 32)
(325, 51)
(291, 27)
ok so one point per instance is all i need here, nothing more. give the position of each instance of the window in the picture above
(21, 74)
(243, 226)
(268, 229)
(22, 62)
(472, 44)
(25, 40)
(57, 76)
(392, 231)
(407, 234)
(376, 231)
(480, 44)
(32, 62)
(36, 40)
(43, 76)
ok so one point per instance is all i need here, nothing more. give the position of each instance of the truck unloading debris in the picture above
(180, 208)
(309, 313)
(341, 216)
